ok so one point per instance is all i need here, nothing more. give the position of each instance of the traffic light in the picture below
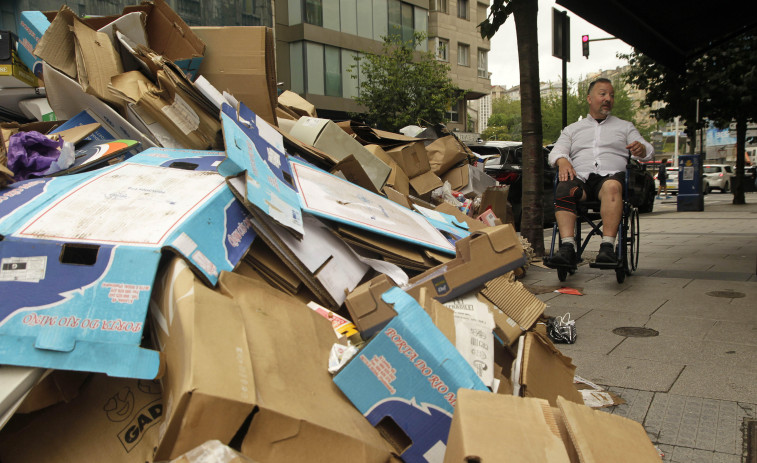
(585, 44)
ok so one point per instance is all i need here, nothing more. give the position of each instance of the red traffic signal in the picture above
(585, 45)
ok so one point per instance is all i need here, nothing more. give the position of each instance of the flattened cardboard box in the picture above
(209, 388)
(481, 256)
(75, 289)
(488, 426)
(545, 372)
(240, 60)
(411, 158)
(113, 419)
(516, 308)
(301, 414)
(405, 381)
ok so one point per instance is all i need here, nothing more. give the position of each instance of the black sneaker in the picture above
(566, 255)
(606, 254)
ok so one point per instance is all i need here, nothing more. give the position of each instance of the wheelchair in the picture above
(626, 244)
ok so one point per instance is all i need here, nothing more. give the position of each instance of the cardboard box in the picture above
(212, 450)
(411, 157)
(13, 72)
(241, 61)
(397, 177)
(32, 26)
(113, 419)
(545, 373)
(170, 36)
(296, 104)
(301, 415)
(483, 255)
(495, 197)
(487, 426)
(517, 309)
(325, 135)
(75, 290)
(405, 381)
(445, 153)
(209, 388)
(425, 183)
(186, 121)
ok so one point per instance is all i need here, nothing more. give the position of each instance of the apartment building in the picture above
(318, 40)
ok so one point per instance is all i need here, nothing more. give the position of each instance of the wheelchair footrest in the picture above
(558, 266)
(606, 265)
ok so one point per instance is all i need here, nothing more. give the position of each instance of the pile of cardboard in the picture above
(222, 275)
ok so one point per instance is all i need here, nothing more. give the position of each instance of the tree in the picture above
(524, 13)
(504, 123)
(400, 86)
(724, 83)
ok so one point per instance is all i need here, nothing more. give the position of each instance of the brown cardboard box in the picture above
(96, 61)
(425, 183)
(295, 103)
(517, 308)
(58, 386)
(487, 426)
(545, 372)
(241, 61)
(187, 122)
(496, 198)
(397, 177)
(444, 153)
(301, 414)
(483, 255)
(113, 419)
(411, 158)
(209, 388)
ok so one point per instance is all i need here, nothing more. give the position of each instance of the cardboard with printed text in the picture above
(75, 290)
(113, 419)
(406, 379)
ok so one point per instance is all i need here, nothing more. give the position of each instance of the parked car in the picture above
(507, 169)
(671, 183)
(718, 176)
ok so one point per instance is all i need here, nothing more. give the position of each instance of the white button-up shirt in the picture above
(598, 147)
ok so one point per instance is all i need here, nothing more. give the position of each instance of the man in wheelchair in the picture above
(591, 157)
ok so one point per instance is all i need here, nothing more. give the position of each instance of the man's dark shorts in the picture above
(568, 193)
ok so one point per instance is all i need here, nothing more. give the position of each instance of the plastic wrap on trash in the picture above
(65, 160)
(562, 329)
(340, 355)
(30, 154)
(212, 451)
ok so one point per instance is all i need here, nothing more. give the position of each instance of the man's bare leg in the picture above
(611, 210)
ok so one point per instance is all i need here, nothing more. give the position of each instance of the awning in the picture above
(671, 32)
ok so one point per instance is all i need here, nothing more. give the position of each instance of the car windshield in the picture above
(711, 169)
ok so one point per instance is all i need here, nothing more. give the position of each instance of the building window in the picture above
(463, 51)
(462, 9)
(483, 66)
(314, 12)
(333, 68)
(439, 5)
(442, 48)
(452, 114)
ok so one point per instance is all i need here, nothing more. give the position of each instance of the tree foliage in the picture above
(724, 83)
(400, 86)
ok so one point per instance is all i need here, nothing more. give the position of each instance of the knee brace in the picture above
(567, 195)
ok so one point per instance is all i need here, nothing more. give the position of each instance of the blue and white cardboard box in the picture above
(255, 150)
(79, 255)
(410, 373)
(32, 26)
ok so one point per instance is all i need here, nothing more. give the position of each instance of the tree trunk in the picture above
(738, 182)
(532, 218)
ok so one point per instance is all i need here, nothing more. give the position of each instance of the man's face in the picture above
(601, 99)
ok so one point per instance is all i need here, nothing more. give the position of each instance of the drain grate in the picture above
(727, 294)
(635, 332)
(750, 441)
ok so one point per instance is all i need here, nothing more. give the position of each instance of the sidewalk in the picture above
(693, 383)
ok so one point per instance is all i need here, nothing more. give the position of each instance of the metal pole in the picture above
(675, 154)
(564, 93)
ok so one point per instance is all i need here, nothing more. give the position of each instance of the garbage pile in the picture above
(195, 268)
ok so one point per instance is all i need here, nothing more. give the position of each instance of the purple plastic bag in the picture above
(30, 154)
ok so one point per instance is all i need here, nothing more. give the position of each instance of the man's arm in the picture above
(639, 147)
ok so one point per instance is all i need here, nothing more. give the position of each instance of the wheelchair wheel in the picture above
(634, 240)
(620, 274)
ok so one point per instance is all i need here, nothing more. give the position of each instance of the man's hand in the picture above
(637, 149)
(565, 170)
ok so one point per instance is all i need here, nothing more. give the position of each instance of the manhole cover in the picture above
(727, 294)
(750, 441)
(635, 332)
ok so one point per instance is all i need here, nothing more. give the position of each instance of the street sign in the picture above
(560, 34)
